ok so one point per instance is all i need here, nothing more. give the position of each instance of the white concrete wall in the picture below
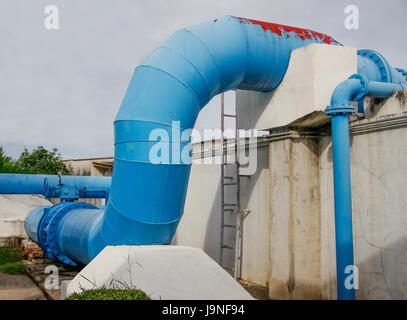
(379, 195)
(13, 211)
(200, 224)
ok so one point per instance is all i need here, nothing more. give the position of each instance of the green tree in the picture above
(7, 165)
(40, 160)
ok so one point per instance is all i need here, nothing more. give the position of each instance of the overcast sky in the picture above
(62, 88)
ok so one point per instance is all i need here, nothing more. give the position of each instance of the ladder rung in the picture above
(244, 175)
(227, 177)
(229, 183)
(230, 204)
(229, 115)
(227, 247)
(230, 210)
(229, 226)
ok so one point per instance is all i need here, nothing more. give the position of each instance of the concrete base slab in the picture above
(19, 287)
(162, 272)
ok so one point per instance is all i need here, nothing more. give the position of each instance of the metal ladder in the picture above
(231, 207)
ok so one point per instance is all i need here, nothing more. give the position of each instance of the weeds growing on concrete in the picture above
(116, 290)
(10, 260)
(109, 294)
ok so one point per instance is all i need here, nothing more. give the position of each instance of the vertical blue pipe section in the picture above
(343, 202)
(339, 110)
(358, 86)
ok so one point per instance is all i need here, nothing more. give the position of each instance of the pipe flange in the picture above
(363, 82)
(381, 63)
(42, 228)
(51, 234)
(338, 110)
(402, 71)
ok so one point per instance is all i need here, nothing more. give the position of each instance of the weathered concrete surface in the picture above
(255, 193)
(19, 287)
(49, 274)
(200, 224)
(379, 180)
(14, 208)
(295, 222)
(313, 73)
(162, 272)
(379, 194)
(326, 191)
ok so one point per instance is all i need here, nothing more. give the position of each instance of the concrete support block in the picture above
(313, 73)
(162, 272)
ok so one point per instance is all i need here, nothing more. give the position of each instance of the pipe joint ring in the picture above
(363, 82)
(51, 232)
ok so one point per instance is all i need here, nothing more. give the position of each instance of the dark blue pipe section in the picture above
(375, 78)
(165, 96)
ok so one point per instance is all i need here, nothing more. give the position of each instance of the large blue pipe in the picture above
(377, 79)
(165, 95)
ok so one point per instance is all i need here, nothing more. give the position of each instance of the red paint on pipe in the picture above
(281, 30)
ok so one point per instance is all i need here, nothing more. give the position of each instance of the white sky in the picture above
(63, 88)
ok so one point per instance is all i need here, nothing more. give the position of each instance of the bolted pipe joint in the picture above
(352, 89)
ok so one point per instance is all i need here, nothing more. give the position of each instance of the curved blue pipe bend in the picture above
(166, 93)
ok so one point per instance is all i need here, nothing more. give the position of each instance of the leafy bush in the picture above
(109, 294)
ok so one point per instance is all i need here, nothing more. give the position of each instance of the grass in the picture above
(109, 294)
(10, 261)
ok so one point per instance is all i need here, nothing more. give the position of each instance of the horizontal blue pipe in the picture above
(166, 94)
(382, 89)
(92, 187)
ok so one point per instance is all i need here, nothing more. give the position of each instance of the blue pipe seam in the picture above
(355, 88)
(166, 93)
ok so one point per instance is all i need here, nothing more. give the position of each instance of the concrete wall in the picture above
(13, 211)
(91, 167)
(379, 175)
(289, 236)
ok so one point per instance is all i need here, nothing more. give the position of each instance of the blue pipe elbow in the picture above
(165, 95)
